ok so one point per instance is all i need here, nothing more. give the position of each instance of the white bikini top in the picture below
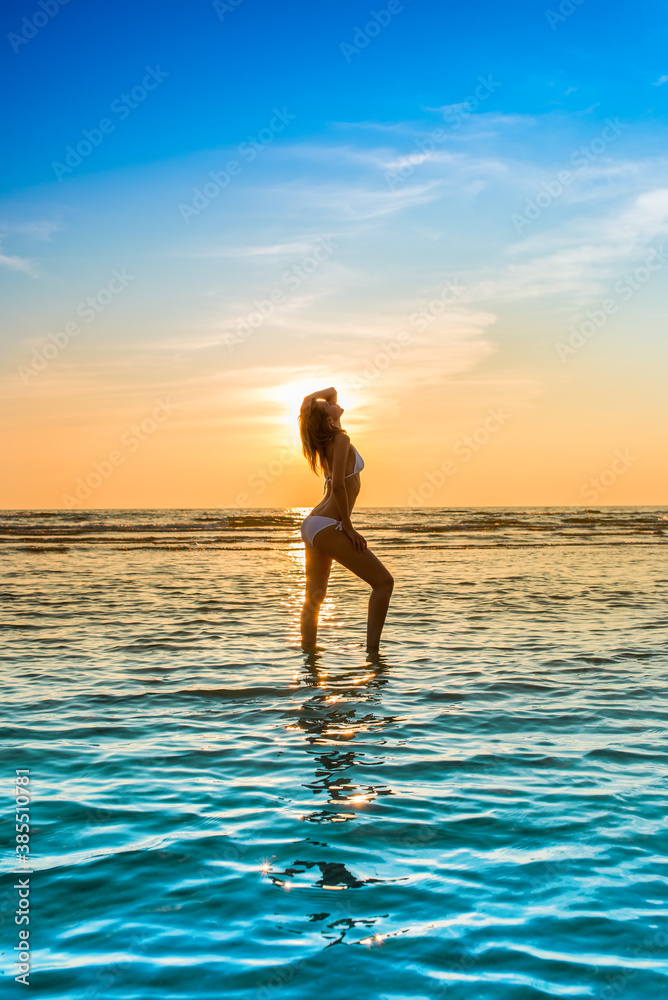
(359, 465)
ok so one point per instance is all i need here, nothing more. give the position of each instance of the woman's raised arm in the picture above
(328, 394)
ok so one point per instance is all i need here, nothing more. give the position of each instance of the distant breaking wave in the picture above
(384, 527)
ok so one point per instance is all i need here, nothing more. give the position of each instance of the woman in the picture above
(328, 532)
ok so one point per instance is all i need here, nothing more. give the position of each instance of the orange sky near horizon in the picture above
(151, 362)
(463, 441)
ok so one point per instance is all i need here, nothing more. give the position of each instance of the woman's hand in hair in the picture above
(328, 394)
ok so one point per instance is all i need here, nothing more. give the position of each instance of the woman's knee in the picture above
(386, 583)
(315, 596)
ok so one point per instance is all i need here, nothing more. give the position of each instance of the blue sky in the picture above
(377, 152)
(226, 74)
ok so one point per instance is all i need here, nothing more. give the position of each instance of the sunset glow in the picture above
(483, 234)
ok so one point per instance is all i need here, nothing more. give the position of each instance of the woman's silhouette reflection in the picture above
(337, 712)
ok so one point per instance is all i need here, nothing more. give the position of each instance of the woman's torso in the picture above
(328, 506)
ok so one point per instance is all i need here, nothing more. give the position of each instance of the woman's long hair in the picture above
(316, 432)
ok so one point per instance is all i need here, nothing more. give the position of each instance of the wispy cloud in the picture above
(275, 250)
(355, 201)
(15, 263)
(375, 126)
(578, 258)
(40, 230)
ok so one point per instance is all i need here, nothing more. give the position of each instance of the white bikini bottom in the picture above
(312, 524)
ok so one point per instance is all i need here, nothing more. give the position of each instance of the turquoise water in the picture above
(214, 813)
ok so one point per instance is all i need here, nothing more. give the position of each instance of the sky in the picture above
(457, 215)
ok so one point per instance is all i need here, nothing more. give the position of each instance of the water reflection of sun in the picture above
(330, 610)
(296, 550)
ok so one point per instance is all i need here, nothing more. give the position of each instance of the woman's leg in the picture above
(317, 567)
(368, 567)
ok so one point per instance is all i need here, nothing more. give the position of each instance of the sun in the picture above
(289, 395)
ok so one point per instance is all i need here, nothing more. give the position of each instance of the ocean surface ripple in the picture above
(479, 814)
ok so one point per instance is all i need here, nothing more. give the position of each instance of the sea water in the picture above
(213, 812)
